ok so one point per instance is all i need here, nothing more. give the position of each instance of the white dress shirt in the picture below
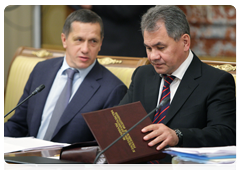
(179, 73)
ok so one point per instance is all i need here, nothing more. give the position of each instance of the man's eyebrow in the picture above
(158, 43)
(77, 37)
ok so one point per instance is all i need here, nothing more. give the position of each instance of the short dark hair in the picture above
(174, 19)
(82, 15)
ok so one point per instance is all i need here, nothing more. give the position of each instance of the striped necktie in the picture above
(161, 113)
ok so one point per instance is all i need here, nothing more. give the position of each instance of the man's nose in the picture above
(154, 55)
(85, 47)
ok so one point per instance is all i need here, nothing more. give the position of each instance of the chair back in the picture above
(26, 58)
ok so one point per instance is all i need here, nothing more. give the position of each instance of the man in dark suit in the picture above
(202, 108)
(93, 86)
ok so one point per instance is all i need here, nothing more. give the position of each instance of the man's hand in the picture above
(162, 134)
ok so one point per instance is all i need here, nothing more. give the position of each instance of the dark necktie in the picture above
(161, 114)
(61, 104)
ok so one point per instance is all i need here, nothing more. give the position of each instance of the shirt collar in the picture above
(179, 73)
(82, 72)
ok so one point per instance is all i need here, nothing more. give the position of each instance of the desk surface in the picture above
(53, 152)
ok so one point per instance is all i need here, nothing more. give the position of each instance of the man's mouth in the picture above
(83, 58)
(157, 63)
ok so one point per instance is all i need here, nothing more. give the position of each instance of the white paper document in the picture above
(207, 151)
(180, 163)
(28, 143)
(225, 154)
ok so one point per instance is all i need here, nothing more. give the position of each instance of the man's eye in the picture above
(148, 48)
(93, 41)
(160, 48)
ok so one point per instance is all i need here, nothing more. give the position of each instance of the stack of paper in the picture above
(225, 154)
(28, 143)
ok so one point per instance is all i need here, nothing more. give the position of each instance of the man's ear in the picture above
(64, 38)
(186, 42)
(100, 44)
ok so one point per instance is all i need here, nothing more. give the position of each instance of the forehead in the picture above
(86, 28)
(156, 37)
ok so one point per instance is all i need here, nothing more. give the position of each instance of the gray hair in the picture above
(174, 19)
(82, 15)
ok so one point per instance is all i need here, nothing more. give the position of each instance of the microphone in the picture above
(37, 90)
(162, 103)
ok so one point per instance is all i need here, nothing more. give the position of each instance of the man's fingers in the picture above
(149, 128)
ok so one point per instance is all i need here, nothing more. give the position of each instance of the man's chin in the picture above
(83, 65)
(160, 70)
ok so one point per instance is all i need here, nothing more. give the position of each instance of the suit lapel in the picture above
(185, 89)
(46, 77)
(151, 91)
(82, 96)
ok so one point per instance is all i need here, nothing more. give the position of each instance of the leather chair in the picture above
(26, 58)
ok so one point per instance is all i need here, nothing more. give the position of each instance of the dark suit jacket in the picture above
(100, 89)
(203, 108)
